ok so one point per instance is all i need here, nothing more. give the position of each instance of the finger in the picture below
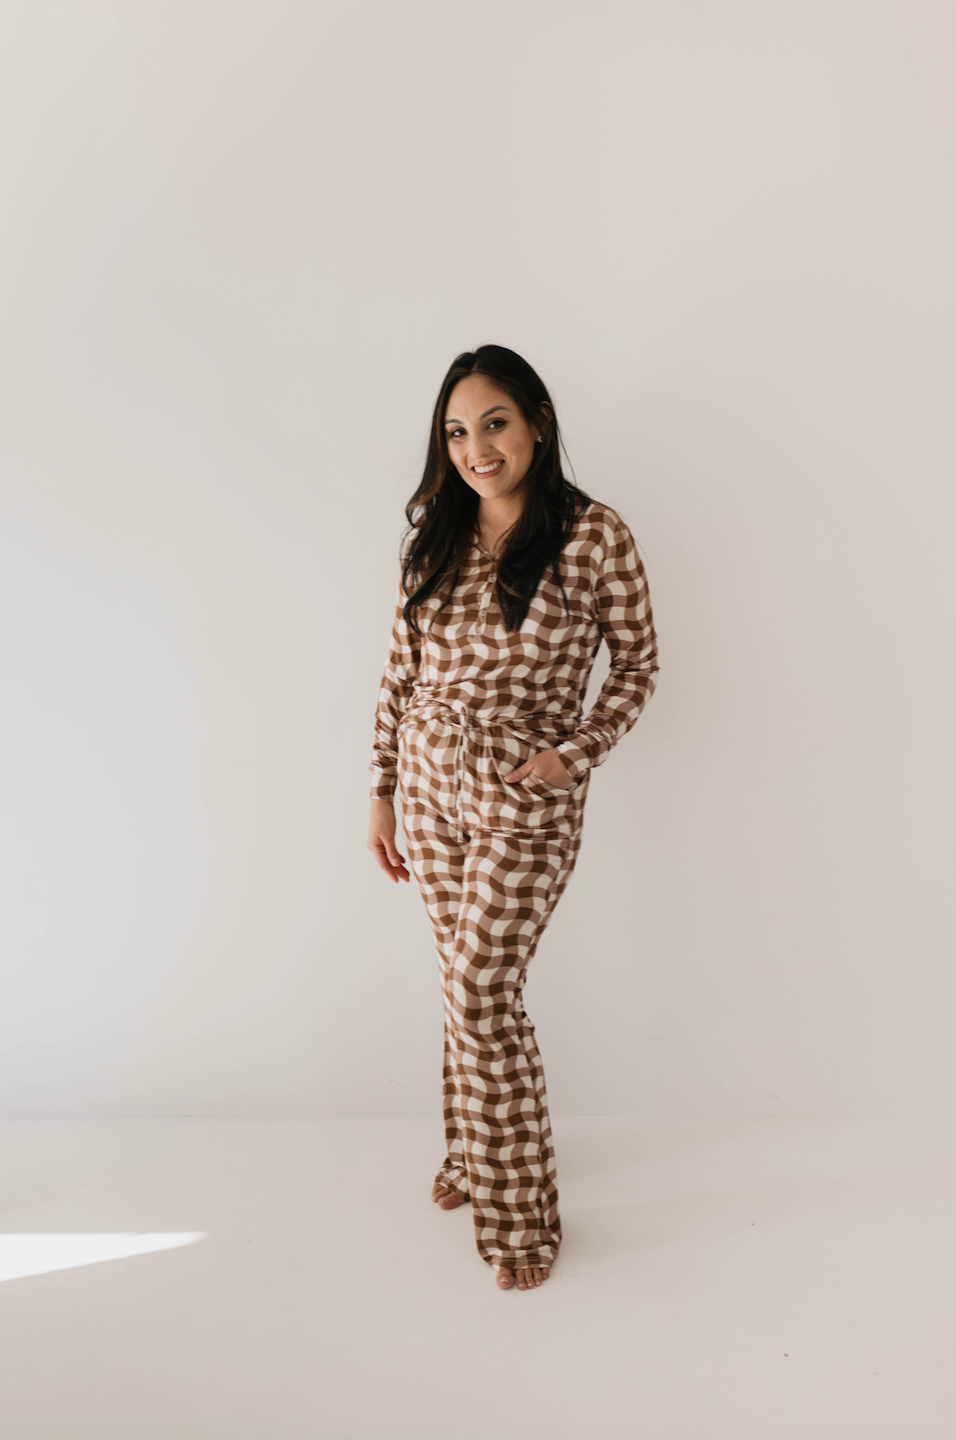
(394, 872)
(398, 864)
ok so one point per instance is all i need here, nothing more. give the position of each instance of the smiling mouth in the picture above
(491, 469)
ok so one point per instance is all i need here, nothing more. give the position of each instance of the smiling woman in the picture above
(511, 578)
(493, 466)
(491, 449)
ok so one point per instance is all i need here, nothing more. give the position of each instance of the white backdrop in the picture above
(240, 244)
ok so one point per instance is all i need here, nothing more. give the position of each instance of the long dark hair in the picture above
(443, 511)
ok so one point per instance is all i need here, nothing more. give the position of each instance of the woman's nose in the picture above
(482, 452)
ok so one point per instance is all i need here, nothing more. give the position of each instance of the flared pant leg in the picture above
(489, 899)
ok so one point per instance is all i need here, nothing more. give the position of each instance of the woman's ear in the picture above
(547, 415)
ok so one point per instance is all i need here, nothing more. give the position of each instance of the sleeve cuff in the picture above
(383, 783)
(577, 762)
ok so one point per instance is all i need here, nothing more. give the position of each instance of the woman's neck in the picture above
(497, 516)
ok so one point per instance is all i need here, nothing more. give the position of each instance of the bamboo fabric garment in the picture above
(459, 708)
(532, 681)
(489, 901)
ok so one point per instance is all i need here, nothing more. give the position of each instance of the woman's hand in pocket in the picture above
(548, 765)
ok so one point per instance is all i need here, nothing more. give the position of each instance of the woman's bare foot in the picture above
(528, 1276)
(445, 1197)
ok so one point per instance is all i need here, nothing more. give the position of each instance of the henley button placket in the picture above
(486, 596)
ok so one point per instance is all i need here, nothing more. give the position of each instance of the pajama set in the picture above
(458, 709)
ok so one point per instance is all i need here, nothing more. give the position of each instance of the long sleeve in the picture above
(401, 667)
(624, 615)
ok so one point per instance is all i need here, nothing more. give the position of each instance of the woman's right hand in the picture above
(381, 839)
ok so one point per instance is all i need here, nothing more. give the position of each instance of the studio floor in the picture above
(720, 1279)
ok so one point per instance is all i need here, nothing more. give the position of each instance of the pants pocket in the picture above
(547, 787)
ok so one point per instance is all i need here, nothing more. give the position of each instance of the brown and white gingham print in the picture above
(458, 709)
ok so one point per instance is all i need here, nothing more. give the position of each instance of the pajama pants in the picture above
(489, 891)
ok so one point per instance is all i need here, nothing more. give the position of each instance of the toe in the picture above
(505, 1279)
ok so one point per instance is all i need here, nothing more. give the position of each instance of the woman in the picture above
(510, 578)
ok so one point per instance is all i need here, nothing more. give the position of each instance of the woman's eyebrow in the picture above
(452, 421)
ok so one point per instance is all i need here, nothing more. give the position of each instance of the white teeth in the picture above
(483, 469)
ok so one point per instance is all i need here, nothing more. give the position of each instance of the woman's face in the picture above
(490, 443)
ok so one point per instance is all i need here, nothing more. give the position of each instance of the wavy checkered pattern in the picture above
(458, 710)
(535, 678)
(488, 901)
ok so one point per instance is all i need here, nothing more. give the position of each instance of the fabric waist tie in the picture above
(469, 724)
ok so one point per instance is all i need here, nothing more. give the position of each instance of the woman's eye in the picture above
(455, 434)
(496, 422)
